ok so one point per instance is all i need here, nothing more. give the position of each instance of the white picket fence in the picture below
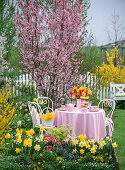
(89, 81)
(23, 79)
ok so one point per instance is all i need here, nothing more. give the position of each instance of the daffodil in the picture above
(82, 151)
(37, 147)
(115, 145)
(42, 128)
(75, 142)
(17, 150)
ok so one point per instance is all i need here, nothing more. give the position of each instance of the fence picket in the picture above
(89, 81)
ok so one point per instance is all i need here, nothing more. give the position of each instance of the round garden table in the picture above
(91, 124)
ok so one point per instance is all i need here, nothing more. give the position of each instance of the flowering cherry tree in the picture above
(49, 41)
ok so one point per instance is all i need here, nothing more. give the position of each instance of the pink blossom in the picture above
(51, 138)
(46, 135)
(49, 50)
(49, 147)
(54, 141)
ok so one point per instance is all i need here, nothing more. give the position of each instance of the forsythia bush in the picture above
(109, 72)
(7, 111)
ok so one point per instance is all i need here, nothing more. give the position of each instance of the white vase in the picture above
(48, 123)
(78, 102)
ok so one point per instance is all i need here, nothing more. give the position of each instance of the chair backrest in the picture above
(107, 104)
(47, 102)
(34, 109)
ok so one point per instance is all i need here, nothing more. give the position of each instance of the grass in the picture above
(119, 136)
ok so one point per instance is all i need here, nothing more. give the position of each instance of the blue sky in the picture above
(101, 12)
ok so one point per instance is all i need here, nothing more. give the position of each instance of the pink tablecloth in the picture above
(91, 124)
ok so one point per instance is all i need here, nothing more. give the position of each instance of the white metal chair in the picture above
(34, 109)
(47, 102)
(109, 106)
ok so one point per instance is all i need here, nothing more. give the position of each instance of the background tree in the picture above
(7, 12)
(116, 30)
(49, 41)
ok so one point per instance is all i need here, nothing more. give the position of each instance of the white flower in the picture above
(19, 123)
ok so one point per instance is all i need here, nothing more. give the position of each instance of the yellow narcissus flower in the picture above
(88, 146)
(7, 136)
(30, 132)
(29, 142)
(19, 140)
(49, 116)
(18, 132)
(81, 144)
(115, 145)
(92, 150)
(17, 150)
(102, 142)
(20, 107)
(34, 99)
(100, 146)
(42, 128)
(74, 150)
(41, 154)
(82, 137)
(29, 113)
(25, 142)
(82, 151)
(37, 147)
(75, 142)
(95, 147)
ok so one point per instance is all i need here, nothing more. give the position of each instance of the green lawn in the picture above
(119, 136)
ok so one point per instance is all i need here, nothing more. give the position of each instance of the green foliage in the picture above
(60, 133)
(91, 57)
(7, 27)
(120, 104)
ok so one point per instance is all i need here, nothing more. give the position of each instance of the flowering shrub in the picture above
(22, 117)
(80, 92)
(109, 72)
(7, 111)
(48, 116)
(44, 151)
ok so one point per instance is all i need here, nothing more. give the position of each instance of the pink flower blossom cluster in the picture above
(50, 140)
(49, 41)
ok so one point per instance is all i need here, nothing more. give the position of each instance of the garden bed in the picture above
(116, 160)
(56, 149)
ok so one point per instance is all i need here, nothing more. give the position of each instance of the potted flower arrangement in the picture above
(80, 93)
(48, 119)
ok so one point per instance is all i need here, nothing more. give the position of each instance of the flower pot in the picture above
(48, 123)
